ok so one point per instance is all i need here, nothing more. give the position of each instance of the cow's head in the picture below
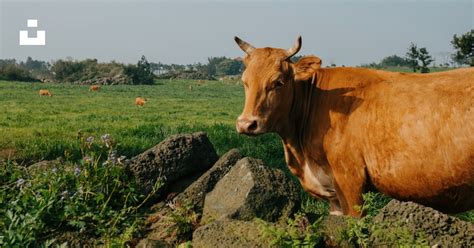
(269, 80)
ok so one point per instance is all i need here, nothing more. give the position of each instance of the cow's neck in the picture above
(332, 94)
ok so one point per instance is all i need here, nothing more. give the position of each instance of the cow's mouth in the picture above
(252, 134)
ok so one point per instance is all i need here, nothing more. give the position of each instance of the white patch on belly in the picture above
(317, 182)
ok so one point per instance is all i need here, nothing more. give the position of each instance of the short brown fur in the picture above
(346, 130)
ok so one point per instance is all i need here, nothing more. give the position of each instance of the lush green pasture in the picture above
(35, 128)
(100, 204)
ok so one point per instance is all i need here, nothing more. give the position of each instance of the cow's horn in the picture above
(246, 47)
(295, 49)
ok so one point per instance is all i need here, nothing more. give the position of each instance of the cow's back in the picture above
(414, 134)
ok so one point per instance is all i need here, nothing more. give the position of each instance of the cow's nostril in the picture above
(253, 126)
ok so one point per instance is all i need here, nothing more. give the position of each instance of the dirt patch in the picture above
(7, 153)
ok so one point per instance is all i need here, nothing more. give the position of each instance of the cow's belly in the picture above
(444, 193)
(420, 147)
(449, 188)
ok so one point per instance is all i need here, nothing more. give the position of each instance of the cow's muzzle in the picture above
(248, 126)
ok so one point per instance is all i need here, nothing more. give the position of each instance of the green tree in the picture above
(425, 59)
(212, 64)
(393, 60)
(464, 48)
(142, 73)
(412, 57)
(229, 67)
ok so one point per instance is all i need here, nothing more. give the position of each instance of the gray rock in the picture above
(252, 190)
(226, 233)
(193, 195)
(150, 243)
(45, 165)
(173, 160)
(440, 230)
(196, 192)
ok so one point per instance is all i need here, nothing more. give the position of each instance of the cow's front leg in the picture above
(349, 189)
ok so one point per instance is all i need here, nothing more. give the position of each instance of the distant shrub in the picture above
(68, 71)
(14, 72)
(393, 60)
(89, 69)
(187, 74)
(141, 73)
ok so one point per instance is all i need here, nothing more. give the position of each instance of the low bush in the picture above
(296, 232)
(95, 200)
(15, 72)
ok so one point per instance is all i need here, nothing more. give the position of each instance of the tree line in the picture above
(145, 72)
(419, 59)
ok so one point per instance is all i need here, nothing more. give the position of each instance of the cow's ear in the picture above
(305, 68)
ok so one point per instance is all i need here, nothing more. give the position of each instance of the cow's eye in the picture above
(278, 84)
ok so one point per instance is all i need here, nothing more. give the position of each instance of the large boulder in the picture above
(440, 230)
(228, 233)
(194, 195)
(179, 159)
(252, 190)
(160, 222)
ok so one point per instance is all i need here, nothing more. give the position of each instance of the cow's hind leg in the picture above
(335, 207)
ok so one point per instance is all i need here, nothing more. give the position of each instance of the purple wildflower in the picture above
(106, 139)
(112, 157)
(77, 171)
(88, 159)
(20, 182)
(89, 140)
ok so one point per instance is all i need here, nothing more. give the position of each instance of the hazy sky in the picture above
(341, 32)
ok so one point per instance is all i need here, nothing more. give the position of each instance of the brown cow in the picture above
(45, 93)
(140, 101)
(349, 130)
(94, 88)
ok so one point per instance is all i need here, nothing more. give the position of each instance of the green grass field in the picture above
(36, 208)
(34, 128)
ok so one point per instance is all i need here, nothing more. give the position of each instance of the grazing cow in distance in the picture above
(94, 88)
(45, 93)
(140, 101)
(346, 131)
